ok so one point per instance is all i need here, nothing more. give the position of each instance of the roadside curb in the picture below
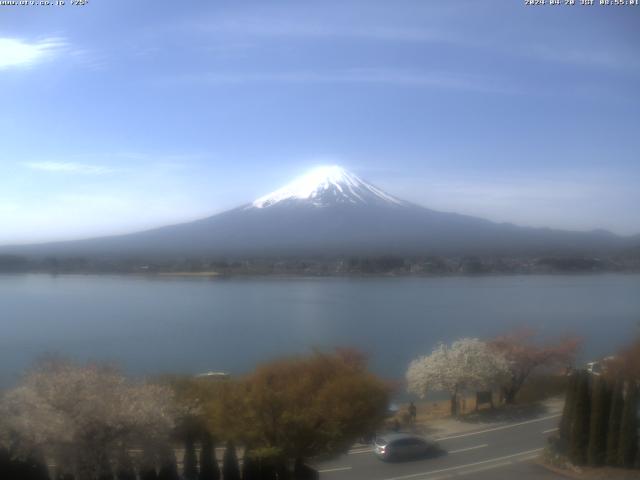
(591, 473)
(560, 471)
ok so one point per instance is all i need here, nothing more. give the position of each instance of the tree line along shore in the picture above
(326, 266)
(71, 421)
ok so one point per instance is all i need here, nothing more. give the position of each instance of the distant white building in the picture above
(214, 375)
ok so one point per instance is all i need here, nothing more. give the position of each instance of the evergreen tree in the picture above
(567, 413)
(32, 468)
(148, 466)
(209, 469)
(230, 468)
(579, 439)
(598, 428)
(124, 469)
(282, 470)
(61, 475)
(615, 419)
(169, 468)
(268, 469)
(6, 464)
(148, 473)
(250, 467)
(104, 472)
(190, 461)
(628, 446)
(301, 471)
(42, 471)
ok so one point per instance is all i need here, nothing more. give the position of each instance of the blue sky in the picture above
(119, 115)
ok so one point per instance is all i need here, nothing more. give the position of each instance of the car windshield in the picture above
(381, 442)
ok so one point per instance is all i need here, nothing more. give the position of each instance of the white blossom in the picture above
(467, 364)
(81, 417)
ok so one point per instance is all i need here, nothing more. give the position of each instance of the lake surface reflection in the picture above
(150, 325)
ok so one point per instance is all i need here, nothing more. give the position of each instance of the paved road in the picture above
(493, 453)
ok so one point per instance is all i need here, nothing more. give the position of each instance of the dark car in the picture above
(402, 446)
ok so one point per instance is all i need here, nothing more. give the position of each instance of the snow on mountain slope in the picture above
(331, 211)
(328, 186)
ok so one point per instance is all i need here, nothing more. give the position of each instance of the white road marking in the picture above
(459, 467)
(468, 448)
(483, 468)
(337, 469)
(503, 427)
(550, 430)
(493, 466)
(356, 452)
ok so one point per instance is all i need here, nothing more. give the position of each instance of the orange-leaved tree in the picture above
(524, 356)
(625, 365)
(301, 407)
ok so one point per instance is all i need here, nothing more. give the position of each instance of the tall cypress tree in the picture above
(304, 472)
(598, 429)
(230, 467)
(148, 473)
(34, 468)
(60, 475)
(124, 468)
(209, 469)
(615, 419)
(190, 461)
(628, 446)
(148, 466)
(104, 468)
(169, 467)
(566, 421)
(250, 467)
(579, 440)
(6, 465)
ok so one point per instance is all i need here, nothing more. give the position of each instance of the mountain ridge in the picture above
(331, 211)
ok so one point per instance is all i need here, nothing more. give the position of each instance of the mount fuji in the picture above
(327, 187)
(328, 212)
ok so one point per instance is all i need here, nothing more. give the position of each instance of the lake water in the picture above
(190, 325)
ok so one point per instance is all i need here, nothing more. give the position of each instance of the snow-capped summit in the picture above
(332, 212)
(328, 186)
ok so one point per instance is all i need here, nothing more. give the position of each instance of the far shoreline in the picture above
(211, 275)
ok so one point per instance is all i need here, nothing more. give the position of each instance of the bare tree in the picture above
(524, 356)
(83, 417)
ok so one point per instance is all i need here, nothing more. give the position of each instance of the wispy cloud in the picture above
(300, 29)
(69, 167)
(404, 30)
(391, 77)
(588, 57)
(16, 53)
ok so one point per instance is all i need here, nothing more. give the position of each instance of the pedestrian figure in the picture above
(412, 412)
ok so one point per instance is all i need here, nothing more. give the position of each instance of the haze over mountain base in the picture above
(331, 213)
